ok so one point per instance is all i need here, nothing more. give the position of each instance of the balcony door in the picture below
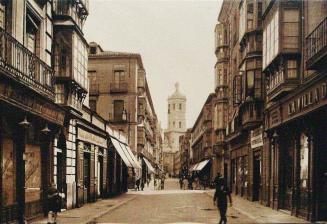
(119, 78)
(118, 109)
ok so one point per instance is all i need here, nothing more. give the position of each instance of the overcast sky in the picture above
(174, 37)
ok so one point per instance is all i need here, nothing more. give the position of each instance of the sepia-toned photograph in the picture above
(163, 111)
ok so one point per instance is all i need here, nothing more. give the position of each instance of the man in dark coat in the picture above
(220, 197)
(138, 184)
(54, 203)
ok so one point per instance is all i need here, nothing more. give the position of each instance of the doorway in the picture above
(256, 176)
(86, 179)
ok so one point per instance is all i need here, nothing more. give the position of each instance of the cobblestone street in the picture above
(174, 206)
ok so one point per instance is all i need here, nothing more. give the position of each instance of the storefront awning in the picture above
(199, 166)
(122, 152)
(133, 159)
(148, 164)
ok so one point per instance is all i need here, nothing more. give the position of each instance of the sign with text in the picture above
(256, 138)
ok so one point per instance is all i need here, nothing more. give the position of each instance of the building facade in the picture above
(29, 117)
(119, 92)
(276, 103)
(203, 139)
(185, 148)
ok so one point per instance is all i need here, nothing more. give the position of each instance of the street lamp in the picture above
(24, 124)
(46, 130)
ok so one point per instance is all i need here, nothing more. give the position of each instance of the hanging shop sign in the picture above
(256, 138)
(91, 138)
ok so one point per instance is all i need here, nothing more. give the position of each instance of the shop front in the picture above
(125, 164)
(296, 131)
(28, 125)
(91, 162)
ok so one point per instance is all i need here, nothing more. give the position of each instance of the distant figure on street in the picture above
(181, 183)
(190, 183)
(220, 198)
(185, 183)
(54, 203)
(138, 184)
(142, 184)
(148, 181)
(162, 183)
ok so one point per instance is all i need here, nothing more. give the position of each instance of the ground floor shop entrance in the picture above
(256, 176)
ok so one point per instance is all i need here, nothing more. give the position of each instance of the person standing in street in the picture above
(220, 198)
(138, 184)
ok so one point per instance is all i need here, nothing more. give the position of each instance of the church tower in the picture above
(176, 111)
(176, 125)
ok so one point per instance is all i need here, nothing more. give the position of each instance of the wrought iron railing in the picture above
(317, 41)
(17, 62)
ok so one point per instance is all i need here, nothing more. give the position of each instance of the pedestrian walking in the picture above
(220, 198)
(217, 180)
(138, 184)
(148, 181)
(190, 183)
(53, 203)
(181, 183)
(142, 184)
(162, 183)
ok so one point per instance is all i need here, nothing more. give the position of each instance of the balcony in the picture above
(23, 66)
(64, 7)
(222, 54)
(140, 136)
(94, 89)
(121, 87)
(222, 94)
(251, 114)
(317, 46)
(279, 86)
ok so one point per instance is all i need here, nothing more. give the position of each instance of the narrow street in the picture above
(170, 206)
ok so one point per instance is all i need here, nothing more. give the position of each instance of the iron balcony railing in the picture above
(19, 63)
(317, 43)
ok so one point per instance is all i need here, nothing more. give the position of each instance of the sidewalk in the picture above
(260, 213)
(90, 211)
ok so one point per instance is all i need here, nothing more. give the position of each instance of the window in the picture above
(291, 28)
(180, 106)
(173, 123)
(80, 61)
(118, 109)
(180, 124)
(237, 89)
(304, 161)
(2, 15)
(250, 10)
(173, 106)
(250, 83)
(119, 76)
(93, 50)
(60, 93)
(292, 69)
(271, 40)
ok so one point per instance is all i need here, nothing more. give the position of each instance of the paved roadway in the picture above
(170, 206)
